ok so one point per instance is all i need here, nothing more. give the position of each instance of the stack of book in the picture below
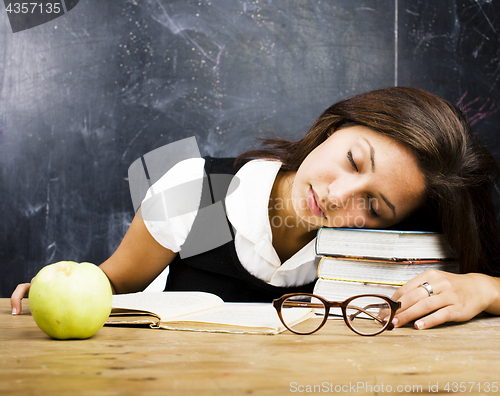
(365, 261)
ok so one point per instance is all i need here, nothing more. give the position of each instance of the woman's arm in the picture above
(455, 298)
(133, 266)
(138, 260)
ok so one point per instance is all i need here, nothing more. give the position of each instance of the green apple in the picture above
(70, 300)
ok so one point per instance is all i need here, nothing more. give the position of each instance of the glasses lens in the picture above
(294, 308)
(368, 314)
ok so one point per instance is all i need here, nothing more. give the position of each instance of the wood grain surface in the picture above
(136, 361)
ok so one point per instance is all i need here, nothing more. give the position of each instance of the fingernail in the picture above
(395, 322)
(14, 311)
(419, 324)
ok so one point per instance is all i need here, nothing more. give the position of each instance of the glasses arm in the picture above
(291, 304)
(364, 310)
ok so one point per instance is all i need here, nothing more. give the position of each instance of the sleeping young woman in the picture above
(390, 158)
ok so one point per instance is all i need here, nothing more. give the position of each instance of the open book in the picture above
(198, 311)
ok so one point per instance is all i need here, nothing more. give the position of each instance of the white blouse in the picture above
(247, 210)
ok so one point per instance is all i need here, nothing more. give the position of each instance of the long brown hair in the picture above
(460, 172)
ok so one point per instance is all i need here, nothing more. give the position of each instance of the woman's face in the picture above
(357, 178)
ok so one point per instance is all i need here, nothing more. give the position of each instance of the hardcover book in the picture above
(378, 271)
(382, 244)
(341, 290)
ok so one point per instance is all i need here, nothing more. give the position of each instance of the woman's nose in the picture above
(342, 193)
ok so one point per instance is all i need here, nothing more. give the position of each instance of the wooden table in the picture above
(463, 358)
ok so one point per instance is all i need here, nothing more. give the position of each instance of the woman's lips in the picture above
(312, 203)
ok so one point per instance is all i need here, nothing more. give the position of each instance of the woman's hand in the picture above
(455, 298)
(18, 294)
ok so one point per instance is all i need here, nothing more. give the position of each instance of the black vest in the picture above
(219, 270)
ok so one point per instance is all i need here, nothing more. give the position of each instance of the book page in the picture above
(167, 305)
(238, 317)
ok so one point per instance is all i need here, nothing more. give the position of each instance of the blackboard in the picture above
(85, 95)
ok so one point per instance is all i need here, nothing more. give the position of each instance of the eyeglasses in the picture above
(365, 314)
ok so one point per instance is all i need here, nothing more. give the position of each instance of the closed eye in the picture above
(351, 160)
(370, 208)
